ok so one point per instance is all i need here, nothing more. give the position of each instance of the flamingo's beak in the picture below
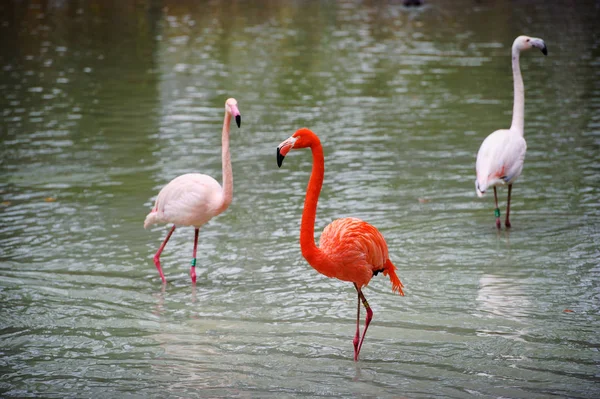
(279, 158)
(283, 149)
(235, 112)
(539, 43)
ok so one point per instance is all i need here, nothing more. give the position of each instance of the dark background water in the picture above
(103, 102)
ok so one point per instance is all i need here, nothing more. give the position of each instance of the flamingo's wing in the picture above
(190, 199)
(356, 247)
(514, 159)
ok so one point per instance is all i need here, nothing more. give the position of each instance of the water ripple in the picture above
(401, 98)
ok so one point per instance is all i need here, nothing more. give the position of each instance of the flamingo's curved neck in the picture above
(226, 160)
(518, 116)
(310, 251)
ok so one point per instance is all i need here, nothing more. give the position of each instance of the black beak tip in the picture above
(279, 158)
(545, 51)
(238, 120)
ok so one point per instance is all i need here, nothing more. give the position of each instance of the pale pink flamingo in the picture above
(501, 155)
(350, 249)
(193, 199)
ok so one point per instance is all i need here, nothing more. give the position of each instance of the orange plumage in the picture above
(357, 251)
(350, 249)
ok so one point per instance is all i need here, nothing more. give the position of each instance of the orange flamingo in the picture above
(350, 249)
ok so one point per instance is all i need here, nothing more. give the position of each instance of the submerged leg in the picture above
(497, 210)
(367, 319)
(157, 255)
(357, 336)
(193, 267)
(507, 222)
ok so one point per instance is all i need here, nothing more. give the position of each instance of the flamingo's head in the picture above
(232, 109)
(525, 43)
(301, 139)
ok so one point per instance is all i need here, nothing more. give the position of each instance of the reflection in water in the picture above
(160, 300)
(104, 102)
(502, 297)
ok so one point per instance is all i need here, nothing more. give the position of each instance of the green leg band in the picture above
(497, 212)
(194, 262)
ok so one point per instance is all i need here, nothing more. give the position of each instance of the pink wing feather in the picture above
(188, 200)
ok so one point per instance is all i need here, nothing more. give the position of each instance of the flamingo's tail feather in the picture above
(480, 188)
(150, 219)
(390, 269)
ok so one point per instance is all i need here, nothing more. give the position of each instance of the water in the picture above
(104, 103)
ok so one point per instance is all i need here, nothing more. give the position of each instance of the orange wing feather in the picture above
(357, 251)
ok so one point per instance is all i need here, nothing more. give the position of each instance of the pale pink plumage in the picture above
(188, 200)
(193, 199)
(501, 155)
(499, 160)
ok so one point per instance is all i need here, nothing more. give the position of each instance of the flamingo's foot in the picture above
(355, 343)
(193, 270)
(507, 224)
(497, 214)
(157, 264)
(367, 322)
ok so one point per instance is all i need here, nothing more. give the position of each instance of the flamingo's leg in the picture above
(193, 267)
(157, 255)
(507, 222)
(367, 319)
(357, 336)
(497, 210)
